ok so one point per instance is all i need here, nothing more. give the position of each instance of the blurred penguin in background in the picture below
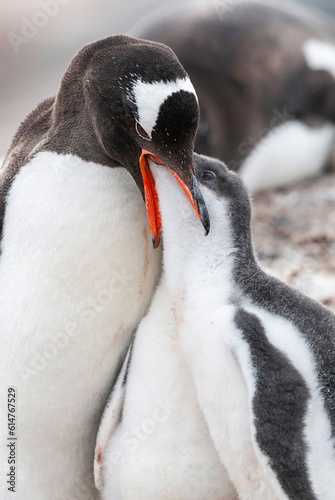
(265, 78)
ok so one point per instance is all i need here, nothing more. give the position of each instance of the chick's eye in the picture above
(141, 132)
(207, 176)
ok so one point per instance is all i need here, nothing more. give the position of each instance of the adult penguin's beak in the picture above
(190, 188)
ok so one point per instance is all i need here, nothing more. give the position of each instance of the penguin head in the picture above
(229, 209)
(143, 105)
(227, 197)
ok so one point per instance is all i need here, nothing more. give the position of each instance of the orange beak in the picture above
(151, 197)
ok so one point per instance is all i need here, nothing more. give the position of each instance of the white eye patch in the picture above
(149, 97)
(320, 55)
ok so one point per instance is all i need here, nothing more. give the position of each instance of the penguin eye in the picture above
(207, 176)
(141, 132)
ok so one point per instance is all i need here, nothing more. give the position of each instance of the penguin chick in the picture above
(260, 353)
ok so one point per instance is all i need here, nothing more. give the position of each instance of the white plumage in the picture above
(243, 355)
(160, 447)
(69, 272)
(291, 152)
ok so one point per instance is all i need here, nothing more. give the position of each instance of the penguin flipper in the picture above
(109, 420)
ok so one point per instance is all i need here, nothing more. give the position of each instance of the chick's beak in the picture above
(152, 203)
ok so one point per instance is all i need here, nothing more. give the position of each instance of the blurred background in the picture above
(39, 37)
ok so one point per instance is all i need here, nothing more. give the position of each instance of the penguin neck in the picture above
(200, 271)
(209, 270)
(70, 98)
(74, 123)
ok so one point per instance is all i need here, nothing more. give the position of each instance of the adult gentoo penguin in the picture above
(77, 267)
(260, 354)
(265, 77)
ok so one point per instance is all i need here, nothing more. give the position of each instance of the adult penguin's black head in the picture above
(123, 99)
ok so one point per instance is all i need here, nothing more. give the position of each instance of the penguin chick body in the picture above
(261, 354)
(153, 442)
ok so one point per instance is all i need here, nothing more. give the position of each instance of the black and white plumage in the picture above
(259, 354)
(233, 316)
(265, 76)
(77, 268)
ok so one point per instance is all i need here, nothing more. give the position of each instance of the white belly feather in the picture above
(77, 272)
(291, 152)
(162, 449)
